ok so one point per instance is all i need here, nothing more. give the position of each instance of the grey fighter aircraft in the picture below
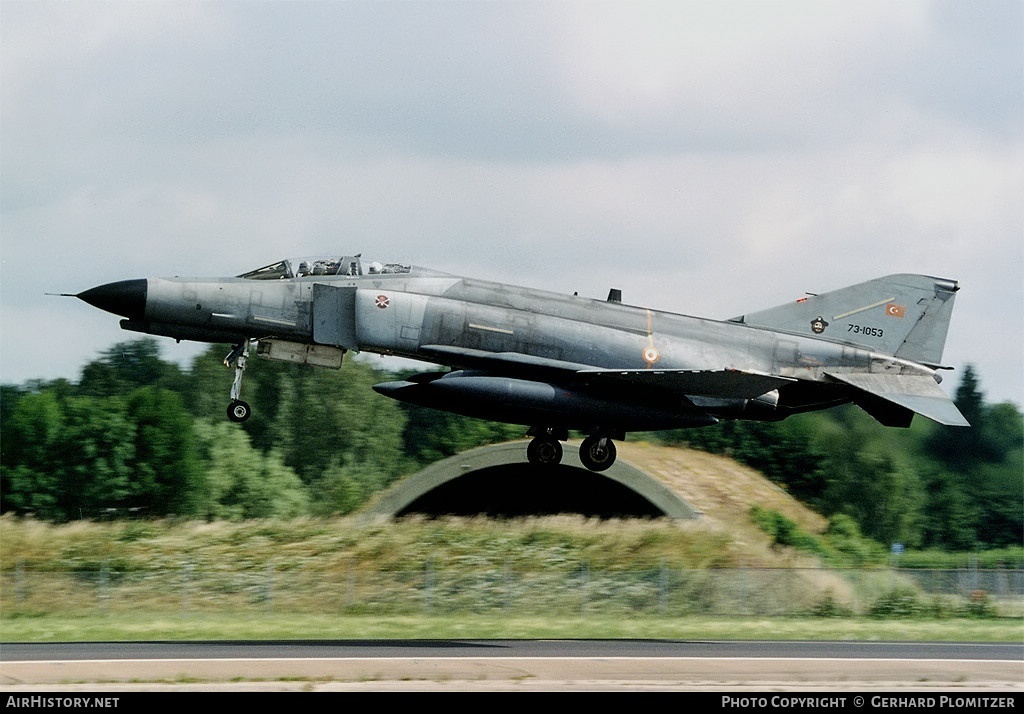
(556, 363)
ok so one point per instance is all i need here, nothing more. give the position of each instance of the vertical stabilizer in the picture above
(902, 315)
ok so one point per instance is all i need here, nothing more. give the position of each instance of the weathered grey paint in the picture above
(563, 361)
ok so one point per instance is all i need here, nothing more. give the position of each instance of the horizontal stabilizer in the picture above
(918, 393)
(724, 383)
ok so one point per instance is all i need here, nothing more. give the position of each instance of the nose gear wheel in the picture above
(238, 411)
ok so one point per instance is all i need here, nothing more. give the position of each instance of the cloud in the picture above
(707, 158)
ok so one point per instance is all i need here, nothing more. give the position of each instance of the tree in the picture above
(241, 481)
(1000, 492)
(869, 481)
(92, 458)
(127, 366)
(975, 489)
(333, 417)
(209, 385)
(83, 456)
(1000, 503)
(785, 452)
(958, 447)
(431, 435)
(32, 429)
(342, 488)
(166, 478)
(950, 514)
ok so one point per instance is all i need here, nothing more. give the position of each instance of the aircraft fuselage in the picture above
(557, 362)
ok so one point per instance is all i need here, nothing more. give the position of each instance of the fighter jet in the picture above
(557, 363)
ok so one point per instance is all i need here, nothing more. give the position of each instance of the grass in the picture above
(193, 627)
(535, 543)
(558, 578)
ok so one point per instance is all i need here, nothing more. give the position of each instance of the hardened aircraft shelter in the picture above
(497, 481)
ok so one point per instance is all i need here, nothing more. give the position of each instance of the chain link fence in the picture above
(577, 591)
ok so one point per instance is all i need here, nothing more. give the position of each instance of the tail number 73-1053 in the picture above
(869, 331)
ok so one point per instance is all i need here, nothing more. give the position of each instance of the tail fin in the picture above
(906, 316)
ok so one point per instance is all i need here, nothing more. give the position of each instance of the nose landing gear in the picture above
(238, 411)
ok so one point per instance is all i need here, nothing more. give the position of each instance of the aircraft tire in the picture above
(239, 411)
(595, 455)
(544, 451)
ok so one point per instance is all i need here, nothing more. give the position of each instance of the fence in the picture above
(578, 591)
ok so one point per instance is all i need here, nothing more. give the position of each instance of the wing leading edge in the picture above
(724, 383)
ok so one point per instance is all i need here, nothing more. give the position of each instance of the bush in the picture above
(979, 605)
(830, 606)
(898, 602)
(784, 531)
(843, 536)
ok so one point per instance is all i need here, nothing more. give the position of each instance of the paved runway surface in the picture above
(512, 665)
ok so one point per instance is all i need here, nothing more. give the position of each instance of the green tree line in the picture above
(140, 435)
(929, 486)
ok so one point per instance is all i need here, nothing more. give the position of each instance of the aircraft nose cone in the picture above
(125, 297)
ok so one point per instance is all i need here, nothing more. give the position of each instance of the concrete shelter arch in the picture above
(497, 480)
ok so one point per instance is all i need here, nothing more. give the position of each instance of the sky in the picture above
(706, 158)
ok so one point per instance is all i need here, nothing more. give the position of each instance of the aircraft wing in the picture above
(723, 383)
(918, 393)
(502, 361)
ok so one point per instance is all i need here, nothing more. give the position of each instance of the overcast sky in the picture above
(709, 158)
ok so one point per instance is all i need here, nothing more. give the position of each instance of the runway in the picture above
(512, 665)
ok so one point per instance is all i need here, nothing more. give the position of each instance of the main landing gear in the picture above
(546, 447)
(544, 451)
(597, 452)
(238, 411)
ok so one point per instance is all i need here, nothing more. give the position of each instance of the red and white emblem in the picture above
(383, 301)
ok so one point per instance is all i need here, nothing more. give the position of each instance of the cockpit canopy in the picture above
(352, 265)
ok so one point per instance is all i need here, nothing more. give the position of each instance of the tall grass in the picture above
(143, 578)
